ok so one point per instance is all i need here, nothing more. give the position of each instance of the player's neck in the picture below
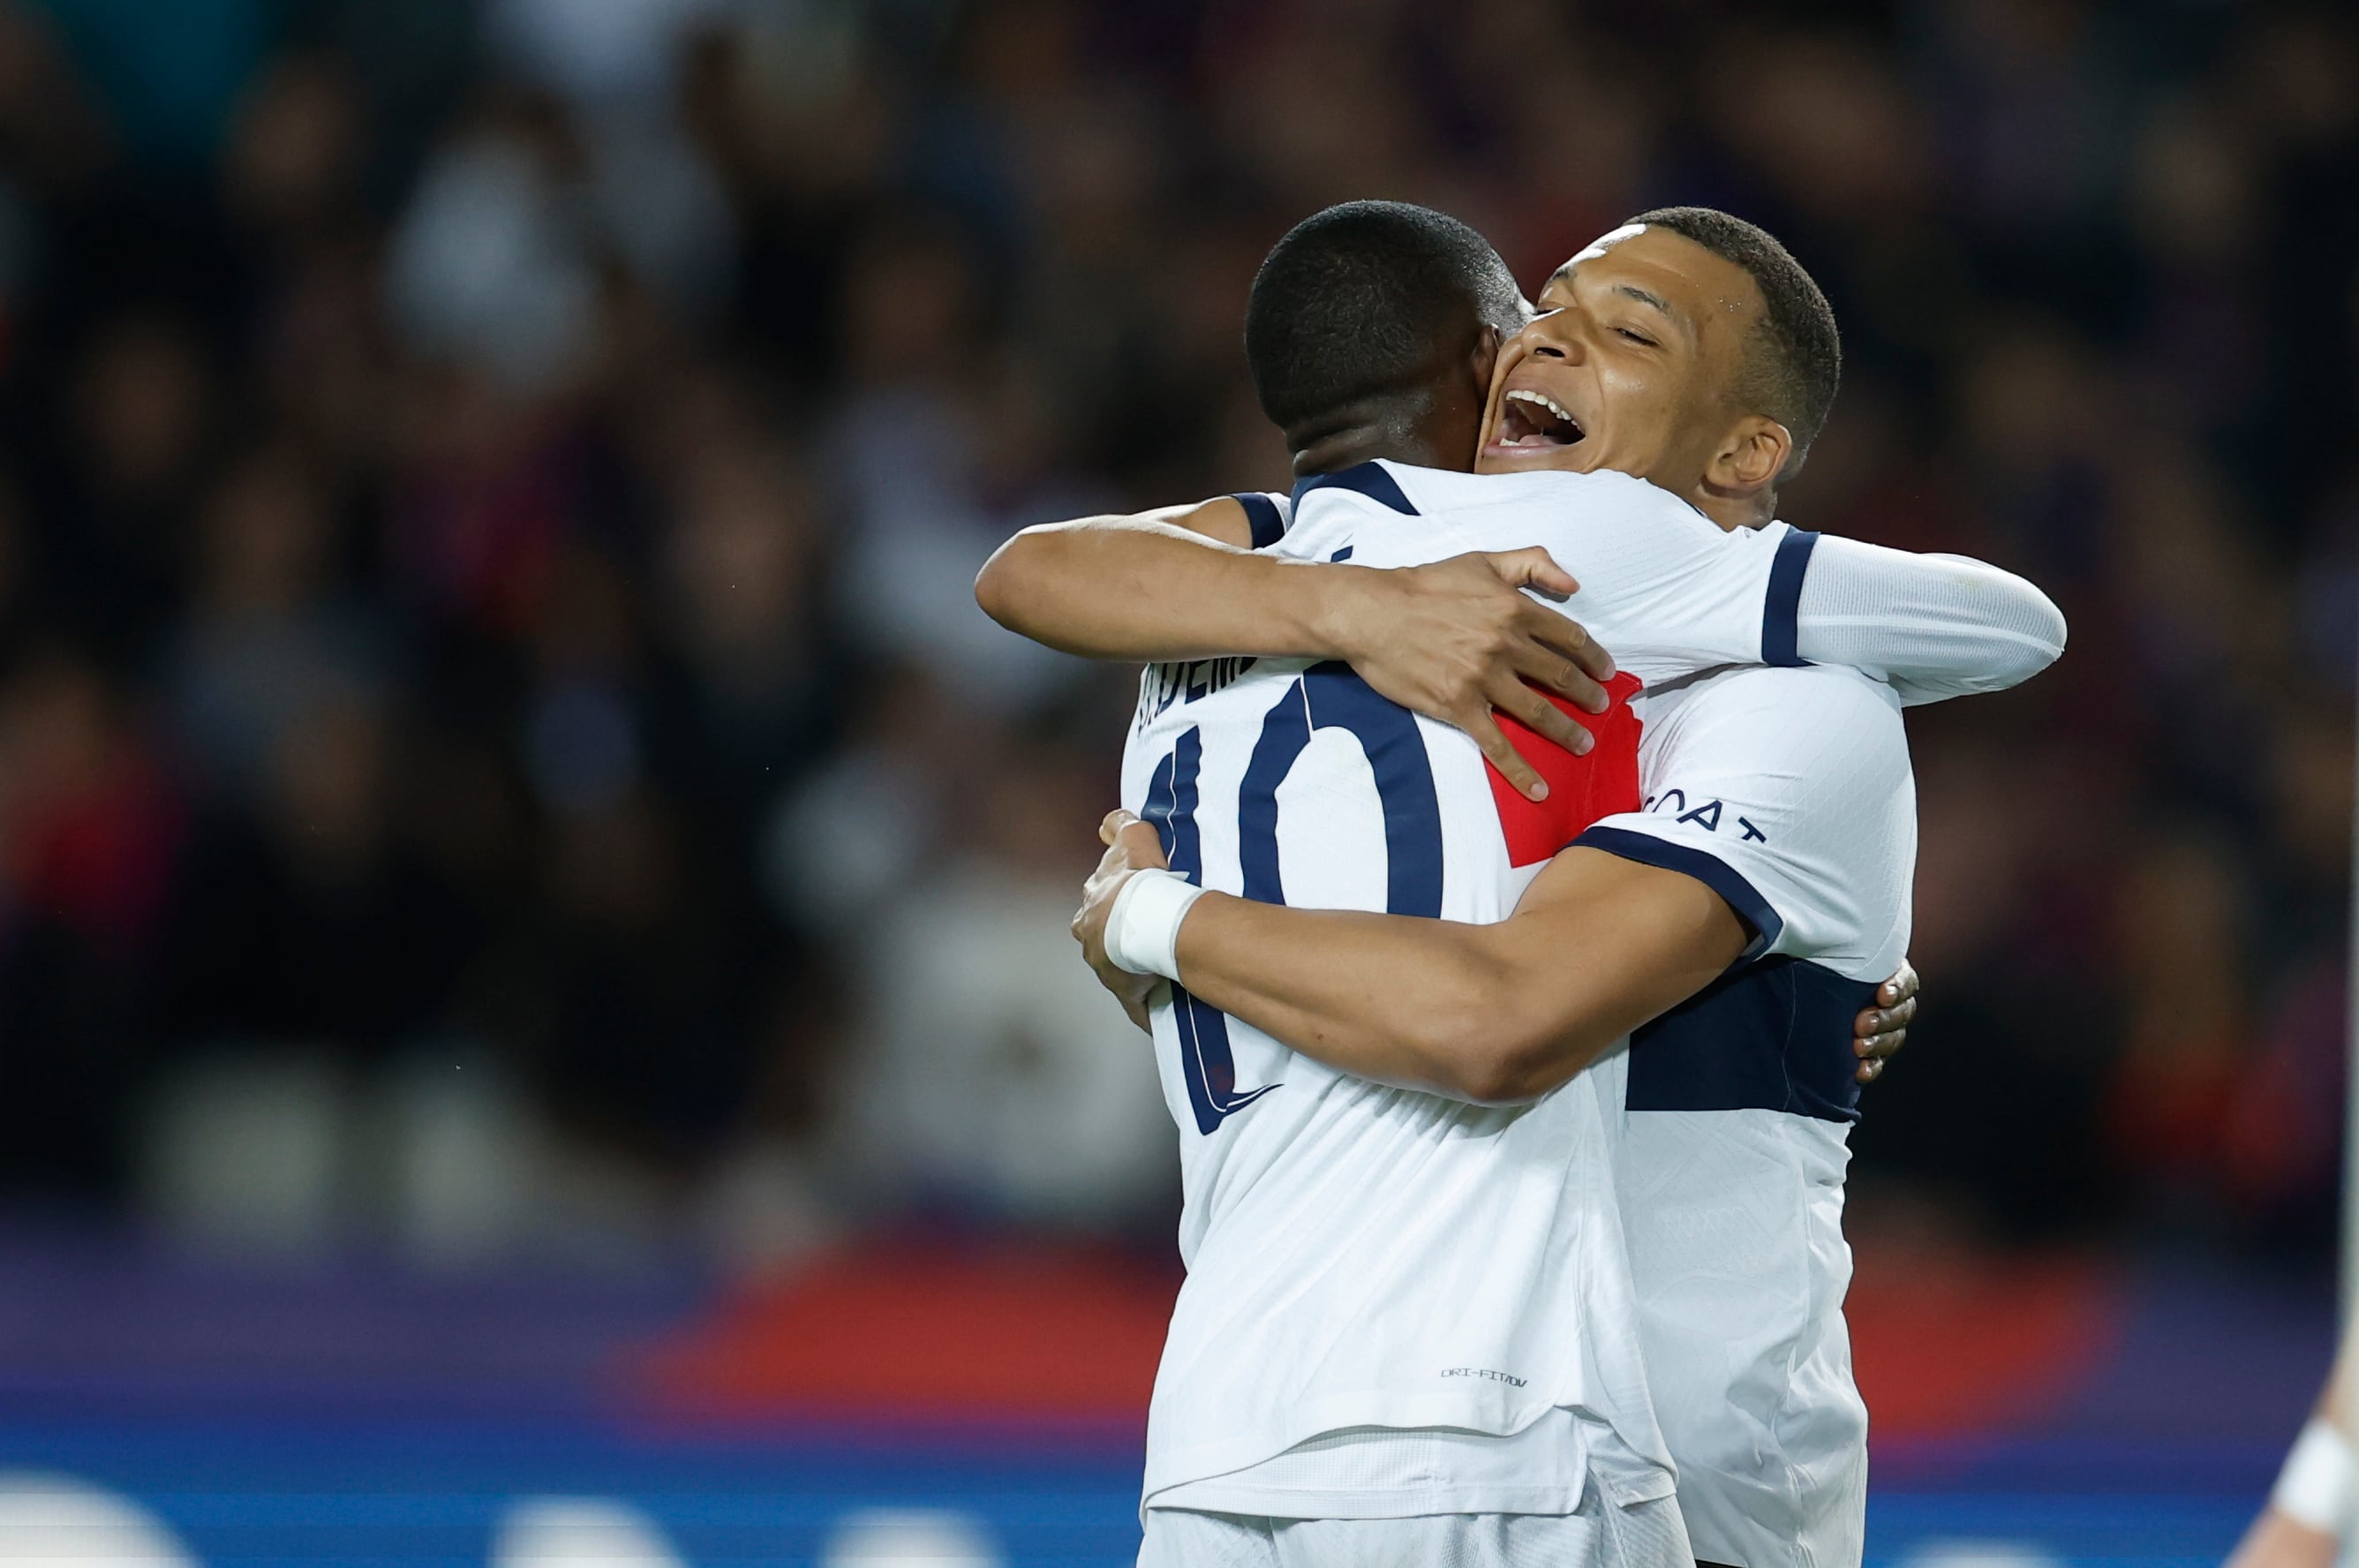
(1734, 512)
(1380, 435)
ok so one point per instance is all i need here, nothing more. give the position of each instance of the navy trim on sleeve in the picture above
(1267, 522)
(1751, 908)
(1781, 630)
(1367, 478)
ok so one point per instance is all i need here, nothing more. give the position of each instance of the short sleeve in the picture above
(1664, 589)
(1931, 626)
(1266, 515)
(1788, 793)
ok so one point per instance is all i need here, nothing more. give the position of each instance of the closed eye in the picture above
(1638, 337)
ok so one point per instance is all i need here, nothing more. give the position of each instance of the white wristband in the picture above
(1143, 928)
(2315, 1487)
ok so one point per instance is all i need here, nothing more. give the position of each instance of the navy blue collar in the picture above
(1368, 478)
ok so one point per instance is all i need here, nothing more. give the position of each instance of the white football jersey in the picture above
(1366, 1256)
(1788, 791)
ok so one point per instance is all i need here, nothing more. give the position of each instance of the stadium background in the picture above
(532, 954)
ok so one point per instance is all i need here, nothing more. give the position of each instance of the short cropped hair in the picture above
(1794, 361)
(1358, 301)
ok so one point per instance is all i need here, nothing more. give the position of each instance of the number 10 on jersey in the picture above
(1327, 696)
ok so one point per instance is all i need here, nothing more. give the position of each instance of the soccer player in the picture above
(1447, 1335)
(2313, 1506)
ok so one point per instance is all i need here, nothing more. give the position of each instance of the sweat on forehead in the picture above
(1605, 242)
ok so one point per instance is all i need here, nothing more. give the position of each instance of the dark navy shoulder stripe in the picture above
(1267, 522)
(1781, 629)
(1368, 478)
(1714, 873)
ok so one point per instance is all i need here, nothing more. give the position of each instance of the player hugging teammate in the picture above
(1514, 1083)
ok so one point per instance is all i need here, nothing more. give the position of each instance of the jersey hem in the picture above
(1402, 1502)
(1209, 1461)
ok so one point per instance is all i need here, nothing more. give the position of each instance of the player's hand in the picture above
(1456, 639)
(1882, 1030)
(1132, 846)
(2276, 1541)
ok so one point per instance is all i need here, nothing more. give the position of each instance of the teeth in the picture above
(1545, 401)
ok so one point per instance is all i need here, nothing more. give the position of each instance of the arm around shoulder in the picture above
(1183, 582)
(1931, 626)
(1496, 1014)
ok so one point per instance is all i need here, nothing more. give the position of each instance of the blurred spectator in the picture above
(89, 825)
(310, 918)
(141, 426)
(494, 264)
(263, 643)
(986, 1082)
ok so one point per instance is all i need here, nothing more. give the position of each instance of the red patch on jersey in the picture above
(1581, 788)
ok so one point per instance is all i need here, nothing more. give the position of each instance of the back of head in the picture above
(1794, 362)
(1368, 300)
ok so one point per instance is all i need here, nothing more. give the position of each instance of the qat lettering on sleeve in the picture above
(1708, 815)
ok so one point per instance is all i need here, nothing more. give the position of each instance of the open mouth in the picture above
(1535, 419)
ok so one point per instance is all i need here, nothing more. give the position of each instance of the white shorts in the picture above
(1646, 1535)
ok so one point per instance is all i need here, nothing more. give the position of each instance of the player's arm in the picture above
(1688, 598)
(1791, 788)
(1103, 587)
(1930, 626)
(2311, 1507)
(1496, 1013)
(1346, 1000)
(1453, 640)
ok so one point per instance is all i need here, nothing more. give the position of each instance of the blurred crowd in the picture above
(498, 750)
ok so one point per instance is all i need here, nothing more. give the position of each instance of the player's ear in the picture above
(1486, 355)
(1750, 458)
